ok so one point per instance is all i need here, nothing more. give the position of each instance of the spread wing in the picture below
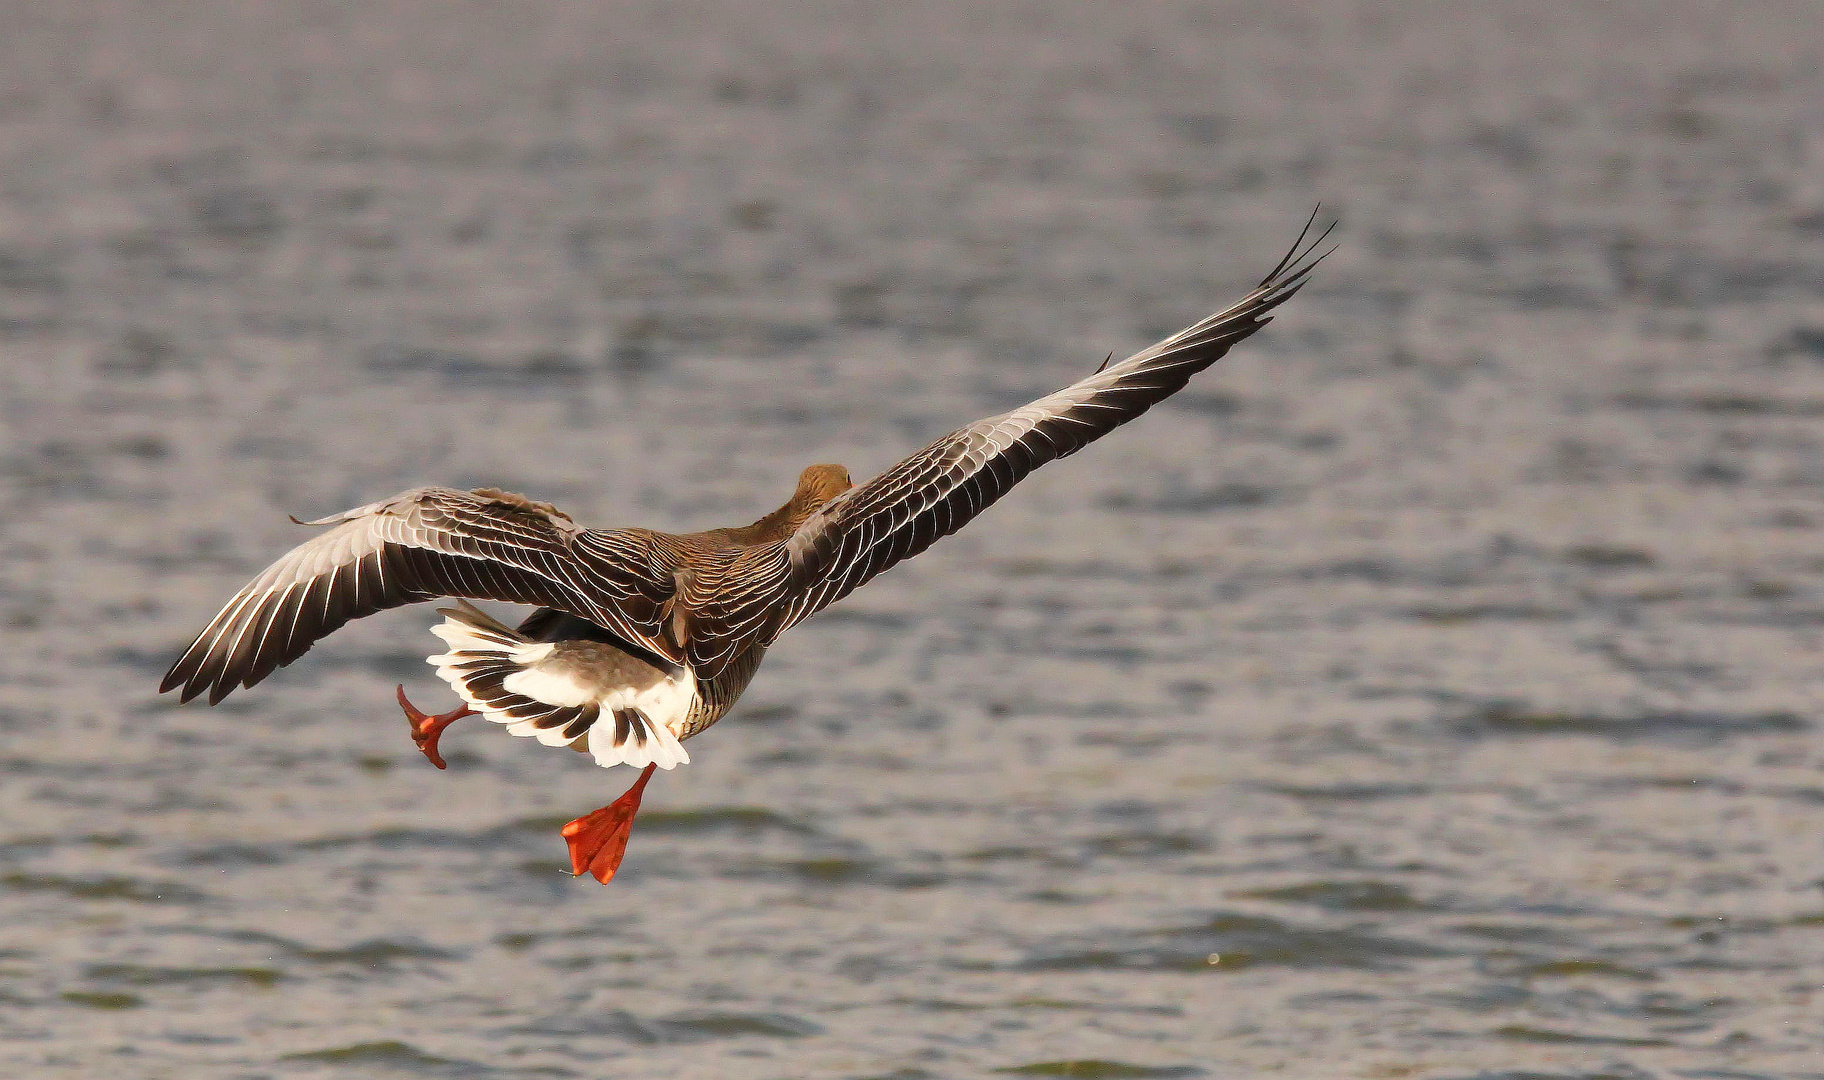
(418, 545)
(941, 488)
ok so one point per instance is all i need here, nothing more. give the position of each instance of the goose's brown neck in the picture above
(816, 485)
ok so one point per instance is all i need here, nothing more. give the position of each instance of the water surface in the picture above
(1431, 690)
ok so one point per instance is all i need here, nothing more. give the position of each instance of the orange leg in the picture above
(427, 729)
(598, 841)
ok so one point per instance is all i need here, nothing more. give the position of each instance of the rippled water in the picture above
(1431, 690)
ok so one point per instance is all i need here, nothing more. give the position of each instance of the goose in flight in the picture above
(642, 639)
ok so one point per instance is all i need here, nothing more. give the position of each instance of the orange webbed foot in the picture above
(598, 841)
(427, 729)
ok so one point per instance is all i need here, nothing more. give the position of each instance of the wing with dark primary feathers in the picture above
(941, 488)
(710, 609)
(419, 545)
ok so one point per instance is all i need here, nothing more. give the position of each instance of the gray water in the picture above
(1431, 690)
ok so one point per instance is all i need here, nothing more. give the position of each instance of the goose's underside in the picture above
(644, 639)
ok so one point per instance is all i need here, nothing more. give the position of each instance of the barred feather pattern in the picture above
(535, 690)
(943, 487)
(712, 602)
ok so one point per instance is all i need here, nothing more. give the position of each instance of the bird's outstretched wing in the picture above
(418, 545)
(941, 488)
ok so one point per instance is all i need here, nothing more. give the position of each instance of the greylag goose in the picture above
(642, 639)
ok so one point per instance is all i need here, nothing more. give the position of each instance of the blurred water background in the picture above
(1431, 690)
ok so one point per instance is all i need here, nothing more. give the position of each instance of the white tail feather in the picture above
(472, 635)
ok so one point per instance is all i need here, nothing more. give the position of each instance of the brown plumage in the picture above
(699, 608)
